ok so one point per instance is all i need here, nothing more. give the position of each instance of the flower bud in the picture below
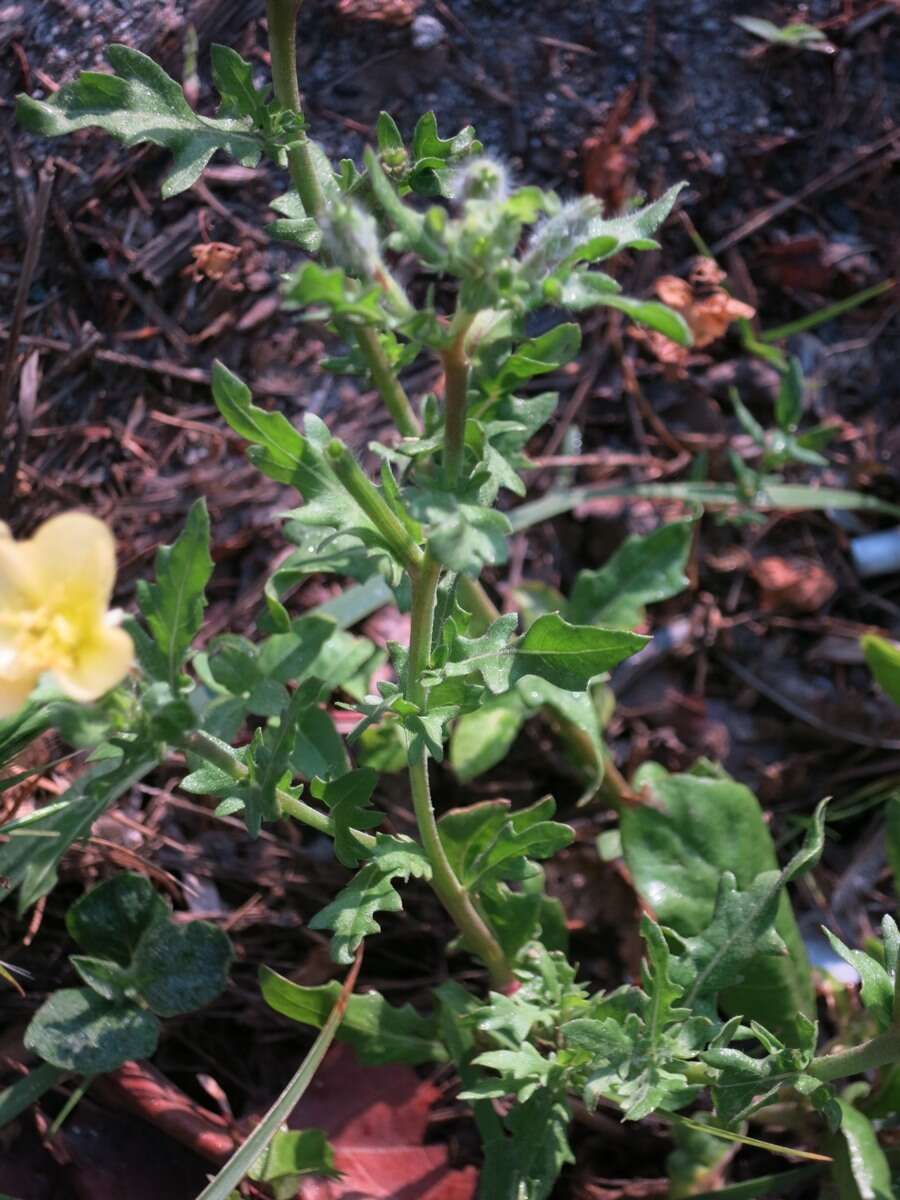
(350, 238)
(481, 179)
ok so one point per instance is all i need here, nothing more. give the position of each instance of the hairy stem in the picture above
(449, 890)
(456, 388)
(879, 1051)
(282, 16)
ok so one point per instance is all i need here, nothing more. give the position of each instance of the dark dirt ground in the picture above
(791, 160)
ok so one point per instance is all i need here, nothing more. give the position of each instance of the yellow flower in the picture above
(54, 596)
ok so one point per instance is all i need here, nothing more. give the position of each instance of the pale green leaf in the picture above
(378, 1031)
(644, 570)
(79, 1031)
(140, 103)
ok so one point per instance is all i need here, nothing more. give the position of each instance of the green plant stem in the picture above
(454, 897)
(879, 1051)
(282, 19)
(222, 756)
(373, 504)
(282, 16)
(456, 388)
(390, 389)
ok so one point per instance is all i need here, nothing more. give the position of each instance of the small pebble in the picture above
(427, 32)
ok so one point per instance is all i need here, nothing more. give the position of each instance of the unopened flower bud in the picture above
(481, 179)
(350, 237)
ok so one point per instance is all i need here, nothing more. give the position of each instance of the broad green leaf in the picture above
(585, 290)
(78, 1031)
(106, 978)
(293, 225)
(329, 293)
(575, 708)
(290, 1154)
(347, 799)
(883, 660)
(318, 747)
(743, 925)
(173, 605)
(351, 915)
(463, 535)
(488, 842)
(140, 103)
(284, 454)
(389, 139)
(548, 352)
(233, 77)
(877, 982)
(860, 1170)
(427, 142)
(28, 860)
(635, 229)
(644, 570)
(110, 920)
(482, 738)
(568, 656)
(378, 1031)
(179, 968)
(694, 827)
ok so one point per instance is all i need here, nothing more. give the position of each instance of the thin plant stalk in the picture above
(448, 888)
(221, 1187)
(282, 16)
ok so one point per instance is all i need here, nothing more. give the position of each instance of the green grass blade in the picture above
(728, 1135)
(821, 315)
(246, 1155)
(356, 603)
(771, 496)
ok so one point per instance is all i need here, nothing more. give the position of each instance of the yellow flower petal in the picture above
(14, 579)
(14, 693)
(100, 664)
(74, 553)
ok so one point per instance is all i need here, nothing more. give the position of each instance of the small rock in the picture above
(427, 32)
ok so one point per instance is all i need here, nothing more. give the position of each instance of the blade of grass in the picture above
(357, 602)
(728, 1135)
(821, 315)
(246, 1155)
(771, 496)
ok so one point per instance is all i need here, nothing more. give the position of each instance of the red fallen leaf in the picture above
(376, 1119)
(799, 584)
